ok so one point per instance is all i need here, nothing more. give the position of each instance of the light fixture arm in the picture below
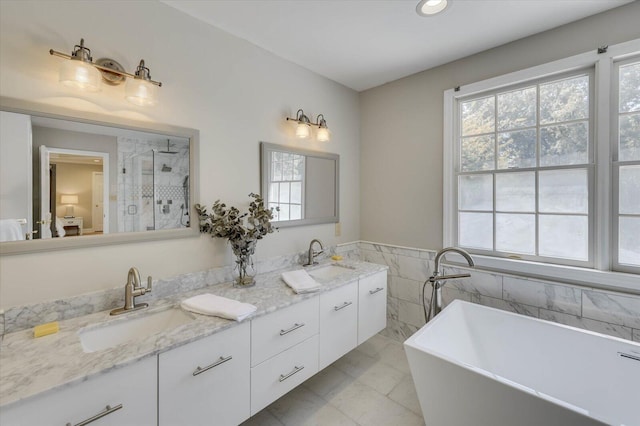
(100, 67)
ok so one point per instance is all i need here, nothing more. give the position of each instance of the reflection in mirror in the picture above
(63, 179)
(301, 184)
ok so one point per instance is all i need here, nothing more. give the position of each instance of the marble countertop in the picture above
(33, 366)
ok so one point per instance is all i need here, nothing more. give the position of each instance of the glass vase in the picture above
(244, 273)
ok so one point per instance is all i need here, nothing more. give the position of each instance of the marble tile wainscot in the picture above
(602, 311)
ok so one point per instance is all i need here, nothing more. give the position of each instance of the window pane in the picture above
(478, 153)
(287, 170)
(476, 192)
(516, 233)
(276, 171)
(274, 191)
(296, 212)
(284, 212)
(478, 116)
(284, 193)
(564, 236)
(563, 191)
(296, 192)
(517, 109)
(628, 241)
(629, 199)
(630, 87)
(516, 192)
(564, 100)
(564, 144)
(298, 168)
(517, 149)
(476, 230)
(629, 148)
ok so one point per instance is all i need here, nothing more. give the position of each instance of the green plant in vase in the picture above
(242, 230)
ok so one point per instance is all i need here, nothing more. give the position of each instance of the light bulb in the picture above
(79, 74)
(431, 7)
(302, 131)
(141, 92)
(323, 134)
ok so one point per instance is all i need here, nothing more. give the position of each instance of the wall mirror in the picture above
(303, 184)
(74, 179)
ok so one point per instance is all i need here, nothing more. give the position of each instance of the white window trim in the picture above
(600, 276)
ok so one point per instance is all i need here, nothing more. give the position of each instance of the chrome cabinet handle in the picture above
(284, 377)
(376, 290)
(108, 410)
(221, 360)
(344, 305)
(295, 327)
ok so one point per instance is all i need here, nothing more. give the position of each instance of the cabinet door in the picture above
(372, 305)
(338, 323)
(206, 382)
(129, 392)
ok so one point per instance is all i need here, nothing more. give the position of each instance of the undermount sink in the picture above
(126, 330)
(329, 272)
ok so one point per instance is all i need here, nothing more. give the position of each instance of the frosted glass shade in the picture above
(79, 74)
(323, 134)
(302, 131)
(141, 92)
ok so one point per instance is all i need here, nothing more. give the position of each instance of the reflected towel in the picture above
(210, 304)
(300, 281)
(10, 230)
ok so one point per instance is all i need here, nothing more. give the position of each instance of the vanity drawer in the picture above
(278, 375)
(206, 379)
(280, 330)
(338, 323)
(372, 305)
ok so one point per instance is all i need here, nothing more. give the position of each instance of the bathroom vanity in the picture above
(207, 368)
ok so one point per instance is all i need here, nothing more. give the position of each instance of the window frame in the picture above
(600, 273)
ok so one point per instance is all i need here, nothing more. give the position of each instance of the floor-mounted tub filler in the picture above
(475, 365)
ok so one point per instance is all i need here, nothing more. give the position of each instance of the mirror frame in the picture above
(266, 148)
(44, 110)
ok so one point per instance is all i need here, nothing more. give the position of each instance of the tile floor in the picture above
(370, 385)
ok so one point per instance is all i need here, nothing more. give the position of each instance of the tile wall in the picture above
(605, 312)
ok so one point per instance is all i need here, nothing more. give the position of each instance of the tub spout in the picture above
(437, 280)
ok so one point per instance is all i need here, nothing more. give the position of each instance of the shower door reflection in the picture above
(154, 178)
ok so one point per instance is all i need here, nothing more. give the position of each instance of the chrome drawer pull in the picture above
(284, 377)
(376, 290)
(221, 360)
(344, 305)
(295, 327)
(107, 410)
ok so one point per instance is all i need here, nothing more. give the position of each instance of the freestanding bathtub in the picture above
(477, 366)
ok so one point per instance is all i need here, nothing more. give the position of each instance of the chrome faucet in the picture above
(132, 289)
(313, 254)
(436, 280)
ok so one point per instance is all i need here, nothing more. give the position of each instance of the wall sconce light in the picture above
(303, 130)
(81, 72)
(69, 200)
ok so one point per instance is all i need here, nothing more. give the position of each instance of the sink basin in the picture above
(126, 330)
(329, 272)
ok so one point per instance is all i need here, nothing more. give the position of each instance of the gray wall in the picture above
(402, 126)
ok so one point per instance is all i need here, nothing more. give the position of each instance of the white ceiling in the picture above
(366, 43)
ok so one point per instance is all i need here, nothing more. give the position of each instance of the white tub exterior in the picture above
(475, 365)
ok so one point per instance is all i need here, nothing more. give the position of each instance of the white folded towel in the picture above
(10, 230)
(210, 304)
(300, 281)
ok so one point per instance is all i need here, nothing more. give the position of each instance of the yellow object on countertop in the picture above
(46, 329)
(336, 257)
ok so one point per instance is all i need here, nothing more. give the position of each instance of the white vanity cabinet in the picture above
(284, 351)
(207, 381)
(372, 305)
(125, 396)
(338, 323)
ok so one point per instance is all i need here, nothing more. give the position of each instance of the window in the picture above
(542, 169)
(525, 176)
(626, 165)
(285, 185)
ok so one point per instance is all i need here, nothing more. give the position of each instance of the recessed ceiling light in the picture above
(431, 7)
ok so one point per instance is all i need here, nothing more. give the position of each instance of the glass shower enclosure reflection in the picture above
(154, 182)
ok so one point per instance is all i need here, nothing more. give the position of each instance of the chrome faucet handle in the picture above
(149, 284)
